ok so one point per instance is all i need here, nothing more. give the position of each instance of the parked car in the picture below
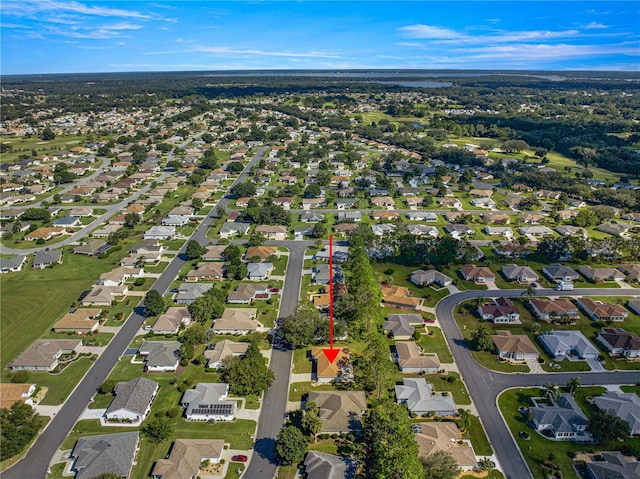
(239, 458)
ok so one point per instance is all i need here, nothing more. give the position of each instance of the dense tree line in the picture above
(18, 425)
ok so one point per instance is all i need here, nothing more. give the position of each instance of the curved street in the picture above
(485, 386)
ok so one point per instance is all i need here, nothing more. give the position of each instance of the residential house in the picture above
(118, 276)
(160, 356)
(216, 353)
(261, 252)
(132, 402)
(320, 465)
(573, 231)
(477, 274)
(632, 271)
(599, 311)
(44, 233)
(601, 274)
(12, 264)
(459, 231)
(245, 293)
(208, 402)
(608, 465)
(43, 354)
(559, 272)
(104, 295)
(340, 411)
(561, 344)
(450, 203)
(80, 321)
(284, 202)
(423, 230)
(501, 311)
(259, 271)
(620, 342)
(227, 230)
(422, 216)
(399, 326)
(445, 437)
(186, 458)
(175, 220)
(340, 370)
(510, 250)
(105, 454)
(624, 405)
(206, 271)
(11, 393)
(189, 292)
(483, 203)
(67, 222)
(214, 253)
(344, 204)
(272, 232)
(562, 418)
(420, 399)
(171, 320)
(535, 231)
(383, 229)
(320, 274)
(503, 231)
(236, 321)
(411, 359)
(514, 347)
(383, 202)
(399, 297)
(551, 310)
(311, 203)
(521, 274)
(349, 216)
(160, 233)
(496, 218)
(149, 250)
(426, 278)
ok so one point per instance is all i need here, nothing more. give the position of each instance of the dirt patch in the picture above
(40, 394)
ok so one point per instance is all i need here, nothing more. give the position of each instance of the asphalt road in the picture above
(485, 386)
(36, 462)
(274, 403)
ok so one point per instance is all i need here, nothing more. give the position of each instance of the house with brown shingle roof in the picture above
(218, 352)
(399, 297)
(170, 321)
(262, 252)
(411, 359)
(45, 233)
(81, 321)
(443, 436)
(514, 347)
(236, 321)
(186, 457)
(599, 311)
(340, 411)
(549, 310)
(272, 232)
(620, 342)
(477, 274)
(206, 271)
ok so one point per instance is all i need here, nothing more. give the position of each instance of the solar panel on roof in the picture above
(213, 409)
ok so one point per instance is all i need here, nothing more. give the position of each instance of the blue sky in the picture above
(68, 36)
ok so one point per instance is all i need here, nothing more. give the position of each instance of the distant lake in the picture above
(417, 83)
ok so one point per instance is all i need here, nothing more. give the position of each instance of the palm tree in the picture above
(465, 416)
(573, 384)
(550, 392)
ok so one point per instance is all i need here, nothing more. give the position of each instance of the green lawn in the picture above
(440, 384)
(401, 276)
(23, 145)
(537, 448)
(301, 361)
(436, 343)
(56, 288)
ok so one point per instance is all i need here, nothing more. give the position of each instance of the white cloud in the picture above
(32, 7)
(595, 26)
(230, 51)
(428, 31)
(98, 32)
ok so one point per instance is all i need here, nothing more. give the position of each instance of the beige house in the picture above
(218, 352)
(272, 232)
(43, 354)
(340, 411)
(236, 321)
(433, 437)
(514, 347)
(186, 457)
(81, 321)
(411, 359)
(170, 321)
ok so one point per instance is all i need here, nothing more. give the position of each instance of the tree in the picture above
(390, 449)
(248, 374)
(194, 250)
(48, 134)
(373, 369)
(197, 203)
(107, 386)
(154, 303)
(550, 392)
(304, 327)
(36, 214)
(312, 191)
(481, 340)
(236, 270)
(20, 377)
(440, 465)
(157, 429)
(18, 426)
(244, 189)
(131, 220)
(605, 427)
(291, 445)
(319, 230)
(311, 422)
(187, 351)
(207, 306)
(232, 253)
(586, 218)
(465, 417)
(235, 167)
(257, 239)
(573, 384)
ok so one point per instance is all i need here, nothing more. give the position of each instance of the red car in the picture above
(239, 458)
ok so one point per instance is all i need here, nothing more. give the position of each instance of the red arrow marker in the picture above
(329, 352)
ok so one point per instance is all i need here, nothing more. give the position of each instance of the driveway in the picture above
(595, 365)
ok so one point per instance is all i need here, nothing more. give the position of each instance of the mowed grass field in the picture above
(31, 301)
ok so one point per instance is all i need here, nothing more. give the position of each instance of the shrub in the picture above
(139, 281)
(389, 271)
(20, 377)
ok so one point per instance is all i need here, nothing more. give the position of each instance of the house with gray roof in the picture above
(132, 401)
(189, 292)
(13, 264)
(399, 326)
(207, 402)
(601, 274)
(560, 272)
(349, 216)
(228, 230)
(259, 271)
(186, 457)
(106, 453)
(561, 344)
(521, 274)
(46, 257)
(320, 274)
(320, 465)
(160, 356)
(160, 233)
(340, 411)
(608, 465)
(419, 397)
(624, 405)
(425, 278)
(311, 217)
(423, 230)
(562, 418)
(421, 216)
